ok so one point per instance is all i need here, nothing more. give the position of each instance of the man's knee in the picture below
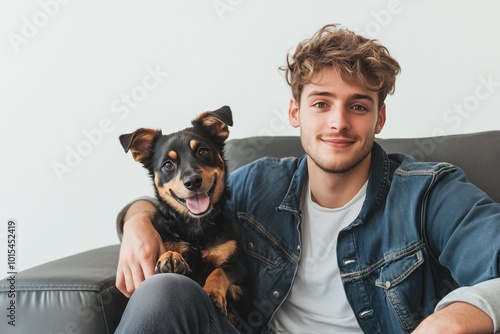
(166, 294)
(169, 288)
(188, 307)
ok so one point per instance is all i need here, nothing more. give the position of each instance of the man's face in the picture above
(338, 122)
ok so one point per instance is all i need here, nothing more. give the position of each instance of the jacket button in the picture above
(346, 262)
(365, 313)
(249, 246)
(276, 294)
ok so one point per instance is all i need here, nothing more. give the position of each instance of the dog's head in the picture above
(187, 167)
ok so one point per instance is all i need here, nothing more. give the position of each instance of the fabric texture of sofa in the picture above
(77, 294)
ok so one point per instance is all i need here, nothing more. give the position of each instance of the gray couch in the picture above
(77, 294)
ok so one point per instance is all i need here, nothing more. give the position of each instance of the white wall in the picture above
(77, 74)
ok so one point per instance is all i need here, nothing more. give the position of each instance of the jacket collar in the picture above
(378, 182)
(291, 201)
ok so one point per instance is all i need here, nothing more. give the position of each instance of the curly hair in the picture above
(360, 61)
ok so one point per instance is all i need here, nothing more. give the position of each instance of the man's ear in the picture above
(216, 122)
(381, 120)
(140, 143)
(293, 113)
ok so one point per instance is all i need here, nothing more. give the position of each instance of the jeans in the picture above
(172, 303)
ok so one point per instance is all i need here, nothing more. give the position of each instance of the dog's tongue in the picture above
(198, 204)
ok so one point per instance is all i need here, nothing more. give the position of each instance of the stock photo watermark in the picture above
(121, 107)
(278, 123)
(11, 271)
(90, 311)
(463, 110)
(222, 7)
(455, 116)
(382, 18)
(31, 26)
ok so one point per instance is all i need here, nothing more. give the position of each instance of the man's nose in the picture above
(338, 119)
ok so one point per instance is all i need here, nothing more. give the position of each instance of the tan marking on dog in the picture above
(220, 159)
(142, 144)
(219, 254)
(224, 132)
(235, 292)
(192, 144)
(172, 155)
(216, 287)
(164, 190)
(179, 247)
(214, 125)
(208, 174)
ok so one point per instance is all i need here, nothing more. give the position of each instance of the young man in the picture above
(344, 239)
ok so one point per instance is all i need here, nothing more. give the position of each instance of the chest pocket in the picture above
(259, 243)
(402, 280)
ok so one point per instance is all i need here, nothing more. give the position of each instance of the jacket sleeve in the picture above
(484, 295)
(121, 214)
(462, 228)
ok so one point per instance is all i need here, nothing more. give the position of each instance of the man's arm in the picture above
(470, 309)
(463, 232)
(140, 248)
(458, 317)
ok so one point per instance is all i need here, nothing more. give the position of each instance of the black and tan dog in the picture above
(189, 173)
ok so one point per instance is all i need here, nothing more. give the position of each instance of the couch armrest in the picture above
(76, 294)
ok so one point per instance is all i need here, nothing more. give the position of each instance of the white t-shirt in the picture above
(317, 302)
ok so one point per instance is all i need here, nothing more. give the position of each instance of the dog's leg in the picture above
(216, 287)
(220, 281)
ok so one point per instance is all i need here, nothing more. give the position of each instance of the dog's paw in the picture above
(172, 262)
(218, 297)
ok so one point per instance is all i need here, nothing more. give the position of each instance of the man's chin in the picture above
(338, 166)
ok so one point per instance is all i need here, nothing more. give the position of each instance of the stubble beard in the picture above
(339, 168)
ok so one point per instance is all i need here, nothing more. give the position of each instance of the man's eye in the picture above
(169, 165)
(359, 107)
(320, 105)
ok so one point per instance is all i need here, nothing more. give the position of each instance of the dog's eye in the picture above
(168, 165)
(203, 152)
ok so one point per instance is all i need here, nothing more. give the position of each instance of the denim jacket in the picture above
(423, 231)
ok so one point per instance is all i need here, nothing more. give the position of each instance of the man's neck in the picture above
(334, 190)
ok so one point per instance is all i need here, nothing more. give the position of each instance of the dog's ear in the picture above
(216, 122)
(139, 142)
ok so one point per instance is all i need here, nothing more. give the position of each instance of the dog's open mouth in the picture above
(200, 203)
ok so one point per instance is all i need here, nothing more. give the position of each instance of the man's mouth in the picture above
(338, 142)
(199, 204)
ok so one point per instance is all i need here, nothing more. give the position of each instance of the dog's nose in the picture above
(192, 182)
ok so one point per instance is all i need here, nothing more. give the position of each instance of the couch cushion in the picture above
(478, 154)
(75, 294)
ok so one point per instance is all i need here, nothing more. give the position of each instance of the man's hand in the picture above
(456, 318)
(140, 248)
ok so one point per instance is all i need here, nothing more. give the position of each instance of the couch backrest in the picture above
(478, 154)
